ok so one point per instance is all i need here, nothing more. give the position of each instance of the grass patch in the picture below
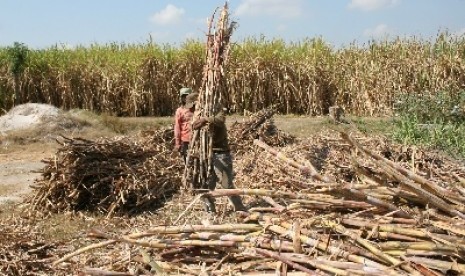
(302, 126)
(437, 120)
(128, 125)
(374, 125)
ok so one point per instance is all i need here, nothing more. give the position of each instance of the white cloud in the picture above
(370, 5)
(380, 31)
(279, 8)
(169, 15)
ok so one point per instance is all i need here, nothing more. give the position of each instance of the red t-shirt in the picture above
(182, 125)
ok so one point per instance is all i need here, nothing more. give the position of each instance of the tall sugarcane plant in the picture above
(199, 166)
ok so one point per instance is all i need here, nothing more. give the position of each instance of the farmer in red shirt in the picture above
(182, 124)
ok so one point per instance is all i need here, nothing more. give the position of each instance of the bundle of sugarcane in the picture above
(217, 53)
(125, 174)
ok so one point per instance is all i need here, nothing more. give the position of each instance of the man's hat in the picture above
(191, 99)
(185, 91)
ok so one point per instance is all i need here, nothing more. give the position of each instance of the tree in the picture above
(18, 58)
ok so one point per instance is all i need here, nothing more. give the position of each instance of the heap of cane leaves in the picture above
(127, 174)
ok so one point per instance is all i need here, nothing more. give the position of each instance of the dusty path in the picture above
(17, 172)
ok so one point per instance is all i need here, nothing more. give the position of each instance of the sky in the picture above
(44, 23)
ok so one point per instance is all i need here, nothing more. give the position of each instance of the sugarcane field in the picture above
(323, 161)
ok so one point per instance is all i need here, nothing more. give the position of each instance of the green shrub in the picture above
(436, 120)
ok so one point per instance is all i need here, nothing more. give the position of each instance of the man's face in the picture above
(183, 98)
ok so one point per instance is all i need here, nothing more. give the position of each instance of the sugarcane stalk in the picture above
(453, 229)
(283, 259)
(426, 195)
(379, 203)
(416, 252)
(392, 236)
(273, 203)
(82, 250)
(425, 245)
(348, 248)
(324, 247)
(372, 248)
(198, 228)
(386, 228)
(305, 170)
(175, 244)
(306, 260)
(438, 264)
(336, 267)
(429, 185)
(364, 270)
(426, 271)
(283, 194)
(332, 203)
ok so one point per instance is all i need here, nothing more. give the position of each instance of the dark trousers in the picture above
(222, 164)
(183, 150)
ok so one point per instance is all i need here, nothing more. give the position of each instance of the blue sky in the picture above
(44, 23)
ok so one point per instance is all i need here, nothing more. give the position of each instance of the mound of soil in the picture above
(34, 115)
(27, 115)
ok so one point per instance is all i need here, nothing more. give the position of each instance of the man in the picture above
(182, 124)
(222, 160)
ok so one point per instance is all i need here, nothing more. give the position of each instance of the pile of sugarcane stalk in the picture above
(385, 217)
(260, 126)
(124, 175)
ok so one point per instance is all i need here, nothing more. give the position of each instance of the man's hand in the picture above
(199, 123)
(177, 147)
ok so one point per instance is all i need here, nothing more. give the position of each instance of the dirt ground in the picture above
(18, 170)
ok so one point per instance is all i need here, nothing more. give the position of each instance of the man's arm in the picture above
(177, 129)
(219, 118)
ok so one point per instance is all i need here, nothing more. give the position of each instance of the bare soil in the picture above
(18, 170)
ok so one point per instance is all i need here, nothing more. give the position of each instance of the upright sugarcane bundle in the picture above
(199, 166)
